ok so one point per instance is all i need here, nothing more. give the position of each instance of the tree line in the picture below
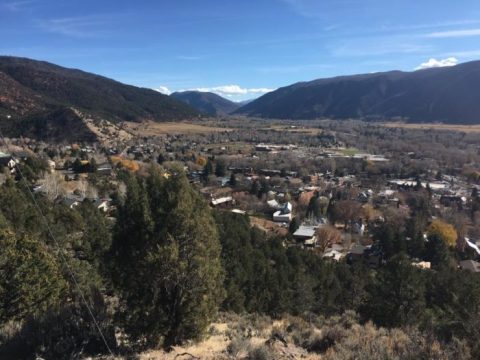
(162, 269)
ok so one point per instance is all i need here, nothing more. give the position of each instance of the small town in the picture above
(239, 180)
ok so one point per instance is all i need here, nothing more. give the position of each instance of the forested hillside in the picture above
(448, 95)
(206, 102)
(30, 88)
(168, 264)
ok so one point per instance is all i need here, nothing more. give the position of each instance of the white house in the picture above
(285, 214)
(222, 200)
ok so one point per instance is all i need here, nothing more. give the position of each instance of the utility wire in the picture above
(59, 249)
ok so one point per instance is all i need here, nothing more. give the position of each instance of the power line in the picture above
(59, 249)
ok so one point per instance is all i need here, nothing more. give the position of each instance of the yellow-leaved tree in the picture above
(444, 231)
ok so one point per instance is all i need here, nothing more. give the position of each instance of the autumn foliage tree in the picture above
(444, 231)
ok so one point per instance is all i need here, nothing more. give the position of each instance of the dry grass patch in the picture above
(150, 128)
(448, 127)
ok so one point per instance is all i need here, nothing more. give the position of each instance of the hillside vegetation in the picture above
(39, 90)
(448, 95)
(207, 102)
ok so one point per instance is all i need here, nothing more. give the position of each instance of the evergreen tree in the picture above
(255, 188)
(92, 165)
(77, 166)
(315, 207)
(233, 180)
(30, 278)
(220, 168)
(437, 252)
(397, 295)
(294, 225)
(161, 158)
(207, 169)
(172, 281)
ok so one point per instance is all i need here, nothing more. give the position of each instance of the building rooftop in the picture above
(305, 231)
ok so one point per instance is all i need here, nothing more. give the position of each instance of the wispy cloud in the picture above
(454, 33)
(434, 63)
(232, 90)
(18, 5)
(82, 26)
(164, 90)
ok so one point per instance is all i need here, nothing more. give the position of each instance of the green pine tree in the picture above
(31, 281)
(167, 265)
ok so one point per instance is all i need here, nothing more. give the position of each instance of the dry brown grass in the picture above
(256, 337)
(297, 129)
(459, 128)
(268, 226)
(150, 128)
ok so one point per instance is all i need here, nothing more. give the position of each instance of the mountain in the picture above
(37, 89)
(449, 95)
(206, 102)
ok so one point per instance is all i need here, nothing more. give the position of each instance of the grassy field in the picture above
(150, 128)
(295, 129)
(460, 128)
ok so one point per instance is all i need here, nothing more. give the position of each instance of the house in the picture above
(72, 201)
(470, 265)
(6, 160)
(238, 211)
(284, 214)
(306, 234)
(104, 169)
(358, 227)
(274, 204)
(333, 254)
(102, 204)
(422, 264)
(356, 253)
(223, 181)
(221, 200)
(473, 245)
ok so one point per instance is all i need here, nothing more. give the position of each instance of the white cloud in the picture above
(226, 90)
(434, 63)
(18, 5)
(164, 90)
(454, 33)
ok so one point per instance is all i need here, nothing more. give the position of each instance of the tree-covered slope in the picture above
(30, 87)
(206, 102)
(449, 95)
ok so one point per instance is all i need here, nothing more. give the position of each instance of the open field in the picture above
(449, 127)
(293, 129)
(150, 128)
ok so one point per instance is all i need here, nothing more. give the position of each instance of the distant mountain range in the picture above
(52, 102)
(207, 102)
(38, 92)
(449, 95)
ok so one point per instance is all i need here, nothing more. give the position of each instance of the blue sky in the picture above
(241, 48)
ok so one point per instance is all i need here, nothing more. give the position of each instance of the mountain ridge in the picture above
(31, 88)
(207, 102)
(429, 95)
